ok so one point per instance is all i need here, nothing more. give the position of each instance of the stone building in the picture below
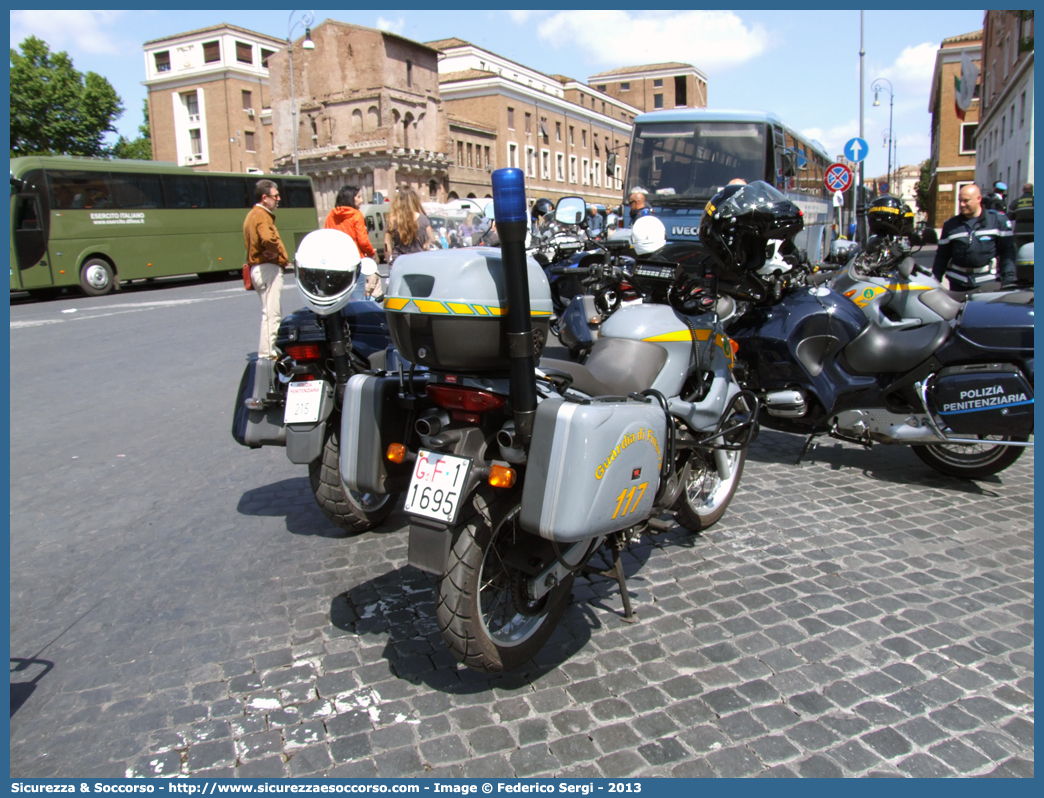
(1004, 139)
(953, 140)
(209, 98)
(653, 87)
(558, 130)
(369, 113)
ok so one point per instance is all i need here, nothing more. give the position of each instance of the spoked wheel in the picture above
(709, 482)
(972, 461)
(484, 612)
(350, 510)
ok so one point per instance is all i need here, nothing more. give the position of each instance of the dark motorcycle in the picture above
(516, 475)
(959, 392)
(295, 400)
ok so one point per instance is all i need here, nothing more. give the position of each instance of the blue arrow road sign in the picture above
(856, 149)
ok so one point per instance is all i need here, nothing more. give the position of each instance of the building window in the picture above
(271, 141)
(244, 53)
(968, 138)
(1004, 124)
(598, 173)
(470, 162)
(529, 123)
(248, 101)
(265, 55)
(617, 177)
(657, 101)
(585, 172)
(192, 106)
(658, 83)
(512, 155)
(163, 63)
(583, 139)
(559, 167)
(545, 165)
(572, 168)
(558, 131)
(196, 141)
(460, 153)
(211, 52)
(1022, 109)
(603, 106)
(487, 158)
(1011, 130)
(571, 143)
(409, 73)
(511, 118)
(248, 140)
(625, 87)
(530, 162)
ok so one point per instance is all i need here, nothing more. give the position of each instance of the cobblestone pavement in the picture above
(186, 609)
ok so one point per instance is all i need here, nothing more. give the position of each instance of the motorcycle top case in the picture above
(446, 309)
(593, 468)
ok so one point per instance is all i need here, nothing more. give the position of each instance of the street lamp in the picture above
(878, 86)
(307, 44)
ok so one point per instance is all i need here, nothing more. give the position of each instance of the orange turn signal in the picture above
(396, 452)
(735, 346)
(501, 476)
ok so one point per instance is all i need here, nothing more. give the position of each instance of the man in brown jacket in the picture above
(267, 259)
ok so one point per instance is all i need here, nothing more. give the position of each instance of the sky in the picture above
(801, 65)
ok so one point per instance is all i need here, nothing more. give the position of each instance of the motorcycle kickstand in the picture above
(805, 449)
(616, 572)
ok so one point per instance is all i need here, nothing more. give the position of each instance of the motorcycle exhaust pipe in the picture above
(512, 220)
(432, 423)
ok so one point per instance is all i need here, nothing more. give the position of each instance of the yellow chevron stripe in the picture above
(461, 308)
(430, 306)
(679, 335)
(395, 303)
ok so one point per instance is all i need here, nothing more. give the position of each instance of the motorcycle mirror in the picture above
(368, 266)
(610, 164)
(570, 210)
(906, 268)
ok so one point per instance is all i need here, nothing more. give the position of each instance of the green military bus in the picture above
(93, 223)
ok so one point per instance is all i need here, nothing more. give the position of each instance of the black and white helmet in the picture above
(328, 265)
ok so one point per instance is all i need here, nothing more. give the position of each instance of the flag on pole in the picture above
(964, 85)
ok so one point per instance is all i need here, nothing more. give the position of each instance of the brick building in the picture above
(1004, 139)
(557, 129)
(209, 98)
(652, 87)
(953, 140)
(369, 113)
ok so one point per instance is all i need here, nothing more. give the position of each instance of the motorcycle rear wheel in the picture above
(971, 462)
(352, 511)
(705, 496)
(485, 620)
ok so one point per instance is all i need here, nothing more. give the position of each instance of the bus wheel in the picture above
(96, 278)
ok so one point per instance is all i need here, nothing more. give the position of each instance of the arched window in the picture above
(472, 195)
(407, 123)
(373, 118)
(452, 196)
(433, 190)
(357, 121)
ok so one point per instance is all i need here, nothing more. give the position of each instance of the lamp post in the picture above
(877, 87)
(307, 44)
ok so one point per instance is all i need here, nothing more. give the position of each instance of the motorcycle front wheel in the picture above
(485, 617)
(352, 511)
(971, 461)
(708, 487)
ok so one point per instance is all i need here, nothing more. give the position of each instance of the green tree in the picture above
(924, 184)
(56, 110)
(139, 149)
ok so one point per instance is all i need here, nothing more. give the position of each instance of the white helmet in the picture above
(648, 235)
(328, 264)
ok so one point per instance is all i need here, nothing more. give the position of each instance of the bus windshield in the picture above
(693, 160)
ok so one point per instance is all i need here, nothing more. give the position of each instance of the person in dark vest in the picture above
(971, 241)
(1021, 212)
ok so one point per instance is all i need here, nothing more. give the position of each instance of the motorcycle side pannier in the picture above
(980, 399)
(262, 427)
(593, 468)
(445, 309)
(371, 419)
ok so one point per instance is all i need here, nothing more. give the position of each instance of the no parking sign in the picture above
(838, 177)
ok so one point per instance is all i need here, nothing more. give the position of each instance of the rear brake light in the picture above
(302, 352)
(467, 399)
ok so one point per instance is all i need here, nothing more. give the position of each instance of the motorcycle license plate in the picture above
(436, 485)
(303, 401)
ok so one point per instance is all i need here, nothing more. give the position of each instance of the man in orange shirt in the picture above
(267, 259)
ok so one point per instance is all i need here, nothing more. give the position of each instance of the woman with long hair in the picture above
(347, 218)
(408, 229)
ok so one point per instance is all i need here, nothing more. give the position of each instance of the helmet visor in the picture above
(325, 283)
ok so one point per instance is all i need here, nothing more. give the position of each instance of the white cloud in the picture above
(78, 31)
(710, 40)
(520, 17)
(834, 138)
(912, 70)
(391, 25)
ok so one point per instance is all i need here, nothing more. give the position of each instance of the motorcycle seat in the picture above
(1015, 298)
(941, 302)
(615, 367)
(877, 350)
